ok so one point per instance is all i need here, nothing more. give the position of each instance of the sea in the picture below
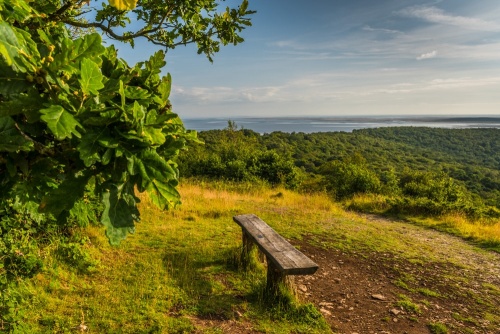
(339, 123)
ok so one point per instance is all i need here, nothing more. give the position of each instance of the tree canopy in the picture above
(77, 123)
(167, 23)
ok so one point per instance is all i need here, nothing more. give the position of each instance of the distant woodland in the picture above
(415, 170)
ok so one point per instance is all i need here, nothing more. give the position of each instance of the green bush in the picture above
(346, 179)
(235, 155)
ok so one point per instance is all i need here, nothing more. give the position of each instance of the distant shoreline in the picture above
(310, 124)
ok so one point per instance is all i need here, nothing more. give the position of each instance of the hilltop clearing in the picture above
(179, 273)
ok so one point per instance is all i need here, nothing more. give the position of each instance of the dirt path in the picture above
(448, 282)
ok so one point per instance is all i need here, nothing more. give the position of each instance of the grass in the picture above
(462, 319)
(181, 270)
(485, 231)
(492, 288)
(400, 282)
(408, 305)
(429, 293)
(438, 328)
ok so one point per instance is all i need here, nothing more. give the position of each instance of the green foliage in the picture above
(470, 156)
(431, 181)
(75, 255)
(430, 193)
(167, 24)
(103, 125)
(349, 177)
(80, 130)
(235, 155)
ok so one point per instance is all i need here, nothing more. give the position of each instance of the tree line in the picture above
(419, 170)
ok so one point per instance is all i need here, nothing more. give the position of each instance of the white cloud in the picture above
(459, 83)
(285, 44)
(214, 95)
(388, 31)
(427, 55)
(437, 15)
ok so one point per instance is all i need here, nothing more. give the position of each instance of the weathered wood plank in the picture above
(285, 257)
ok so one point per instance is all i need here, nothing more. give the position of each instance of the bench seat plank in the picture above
(284, 256)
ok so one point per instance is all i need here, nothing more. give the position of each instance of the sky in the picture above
(345, 57)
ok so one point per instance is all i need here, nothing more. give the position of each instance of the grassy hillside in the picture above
(179, 273)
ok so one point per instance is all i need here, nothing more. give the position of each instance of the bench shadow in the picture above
(213, 285)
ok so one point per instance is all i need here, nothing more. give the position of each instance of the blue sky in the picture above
(341, 57)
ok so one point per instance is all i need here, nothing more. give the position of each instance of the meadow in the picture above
(180, 273)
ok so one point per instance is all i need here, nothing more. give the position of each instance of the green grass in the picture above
(429, 293)
(492, 288)
(438, 328)
(408, 305)
(460, 318)
(181, 271)
(484, 232)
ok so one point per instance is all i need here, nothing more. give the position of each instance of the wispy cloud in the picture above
(214, 95)
(285, 44)
(330, 87)
(437, 15)
(427, 55)
(387, 31)
(458, 83)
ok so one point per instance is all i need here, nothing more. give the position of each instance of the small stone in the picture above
(337, 280)
(81, 328)
(395, 311)
(326, 304)
(395, 319)
(351, 308)
(325, 311)
(379, 297)
(303, 288)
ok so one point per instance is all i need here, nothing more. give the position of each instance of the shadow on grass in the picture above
(222, 288)
(214, 285)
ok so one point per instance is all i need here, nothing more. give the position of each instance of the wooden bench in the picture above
(282, 258)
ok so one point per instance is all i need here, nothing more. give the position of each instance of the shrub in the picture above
(346, 179)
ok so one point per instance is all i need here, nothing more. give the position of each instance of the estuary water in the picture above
(345, 124)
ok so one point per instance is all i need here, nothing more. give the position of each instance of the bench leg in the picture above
(248, 245)
(275, 278)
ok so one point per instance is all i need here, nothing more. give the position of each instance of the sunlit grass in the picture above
(485, 231)
(180, 264)
(183, 264)
(372, 203)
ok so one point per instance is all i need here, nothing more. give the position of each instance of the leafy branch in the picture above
(82, 123)
(169, 24)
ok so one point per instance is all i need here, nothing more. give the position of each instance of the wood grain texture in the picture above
(285, 257)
